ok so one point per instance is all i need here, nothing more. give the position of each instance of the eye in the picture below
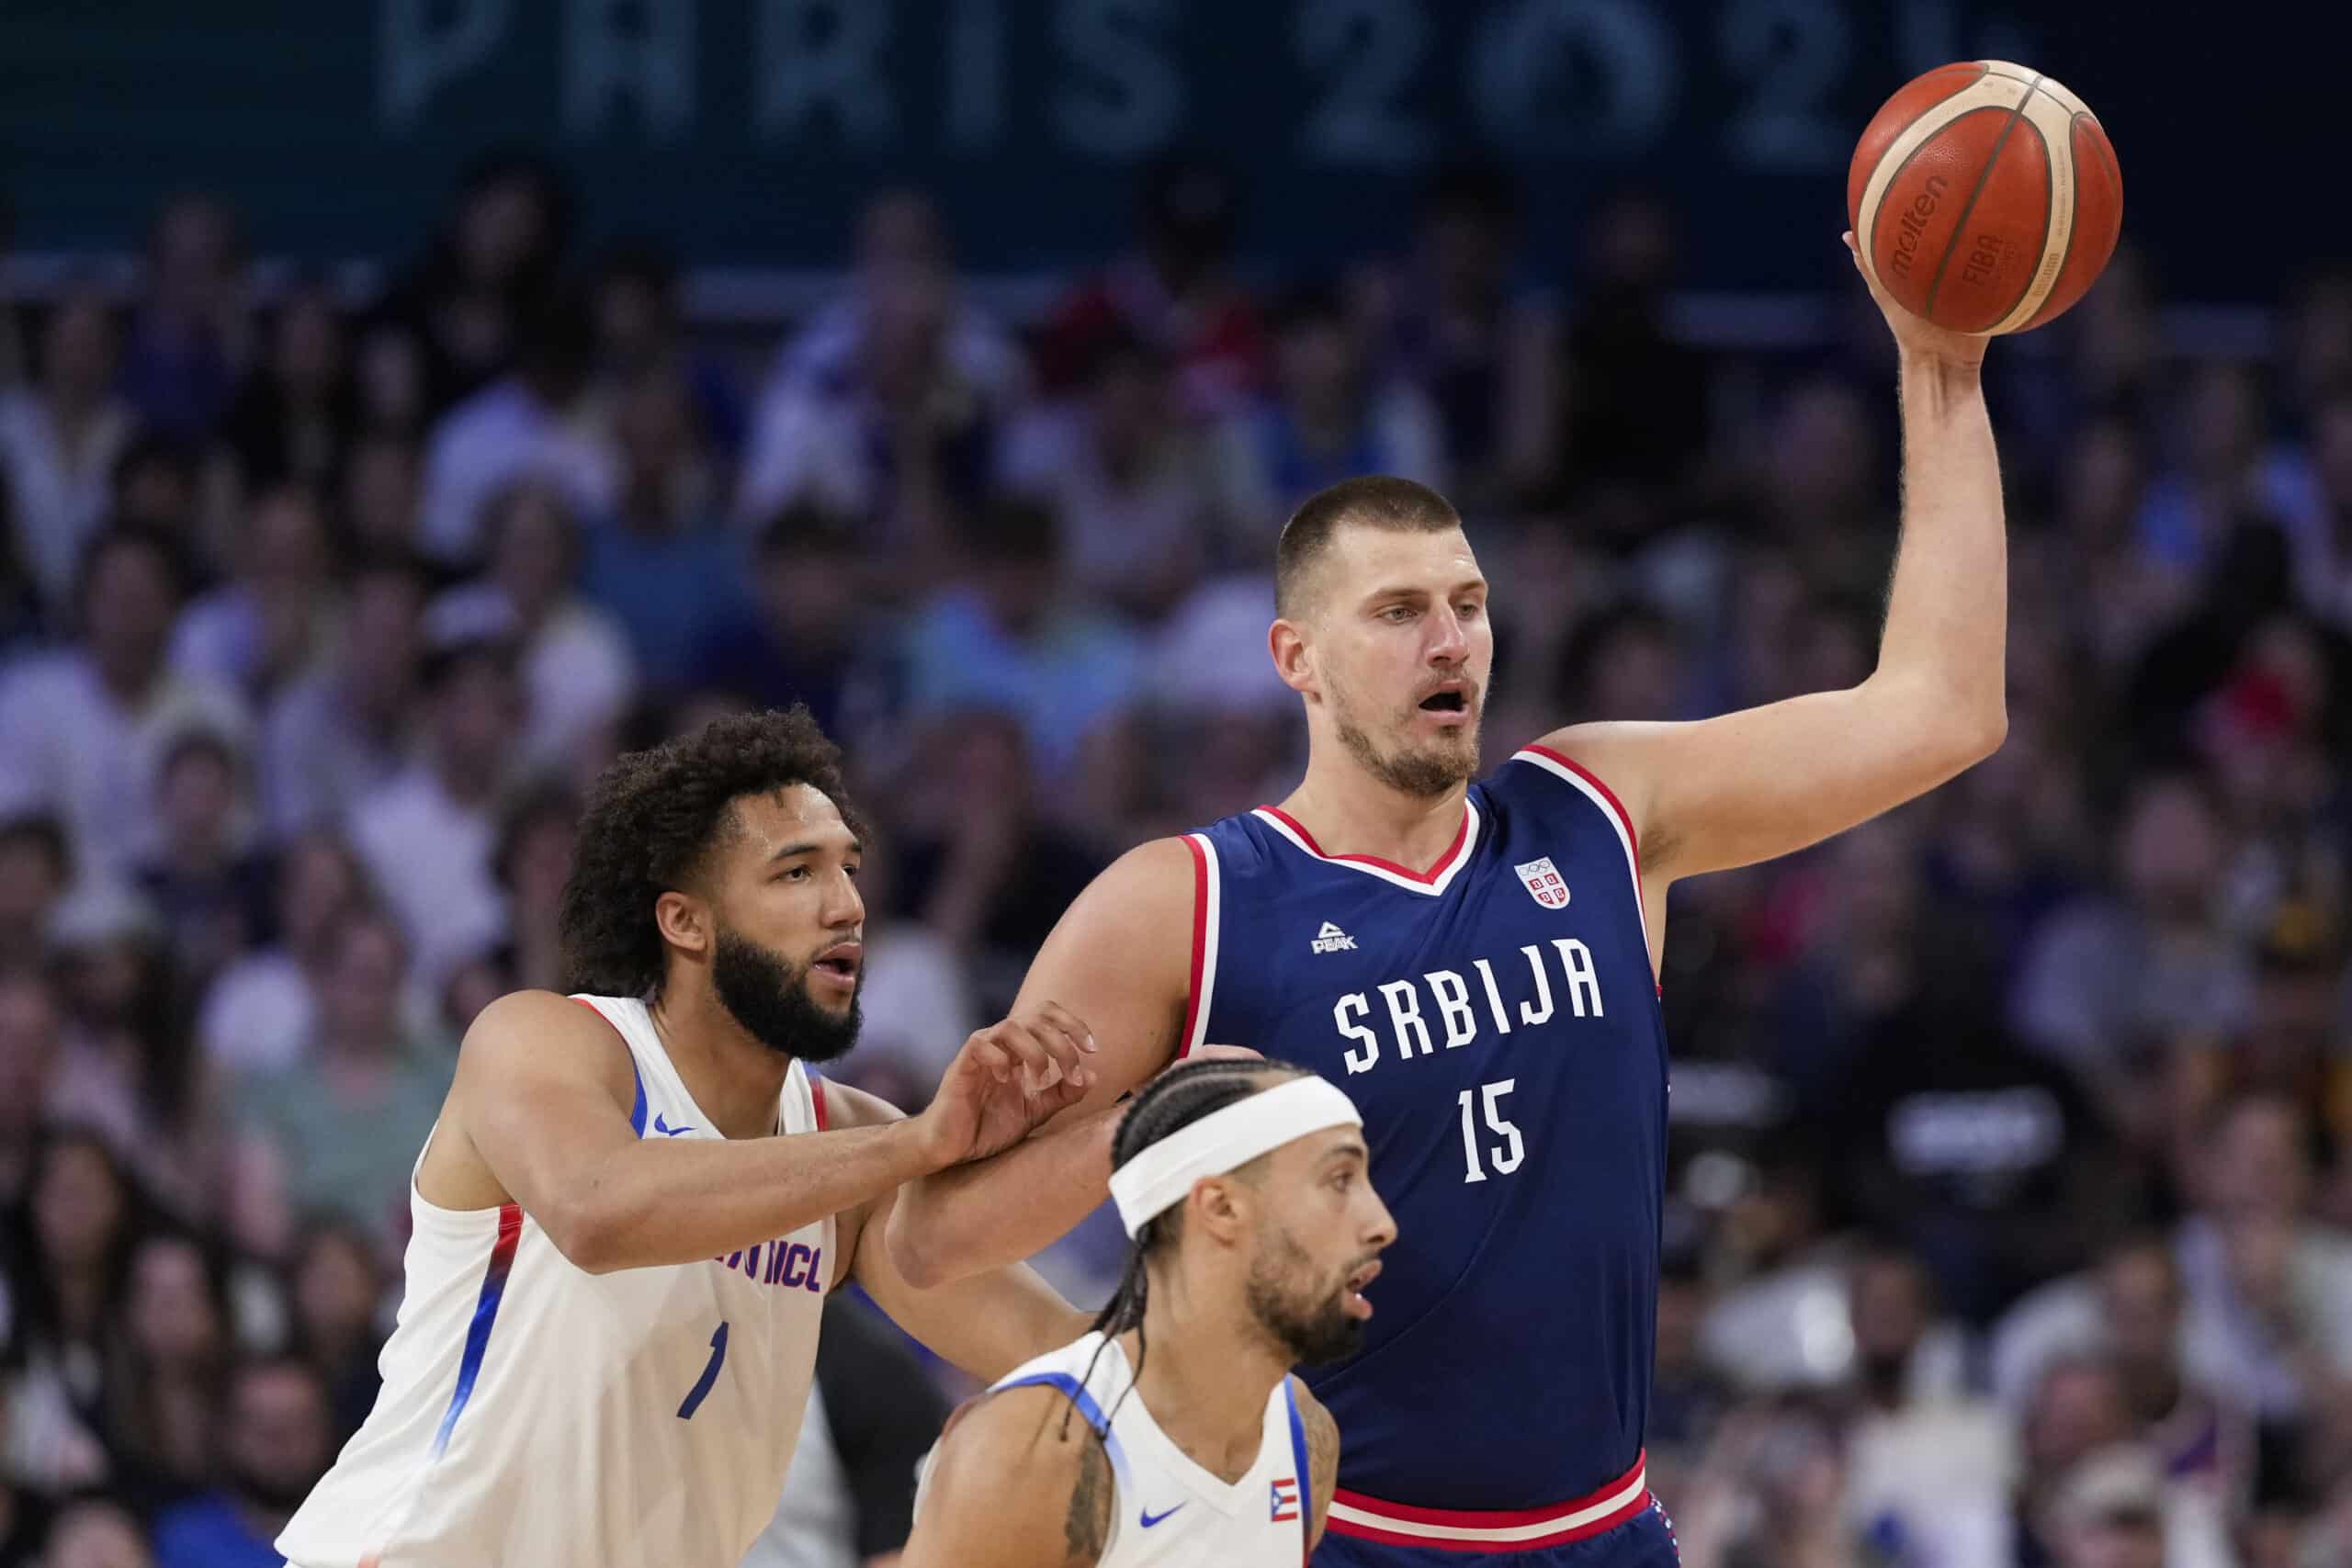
(851, 870)
(796, 874)
(1396, 614)
(1471, 611)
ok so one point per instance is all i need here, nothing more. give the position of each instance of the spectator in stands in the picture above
(68, 1272)
(1333, 414)
(1454, 320)
(36, 869)
(205, 877)
(336, 1292)
(578, 665)
(276, 619)
(95, 1531)
(345, 730)
(82, 730)
(640, 326)
(427, 835)
(379, 496)
(298, 410)
(1131, 479)
(873, 1411)
(806, 634)
(188, 341)
(166, 1362)
(658, 561)
(259, 1013)
(336, 1131)
(528, 424)
(60, 436)
(275, 1444)
(1176, 290)
(1009, 643)
(495, 259)
(891, 404)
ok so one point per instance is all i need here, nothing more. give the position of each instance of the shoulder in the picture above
(846, 1105)
(1145, 887)
(1025, 1463)
(539, 1034)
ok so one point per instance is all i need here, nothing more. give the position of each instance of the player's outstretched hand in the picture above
(1915, 334)
(1007, 1079)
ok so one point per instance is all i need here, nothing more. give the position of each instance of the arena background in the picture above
(508, 383)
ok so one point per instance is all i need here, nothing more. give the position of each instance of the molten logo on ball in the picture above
(1913, 223)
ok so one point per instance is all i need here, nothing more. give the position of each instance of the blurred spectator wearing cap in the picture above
(1455, 319)
(805, 637)
(426, 835)
(1009, 643)
(188, 338)
(577, 662)
(891, 404)
(1132, 480)
(82, 730)
(1176, 290)
(275, 1445)
(335, 1132)
(259, 1012)
(658, 561)
(60, 436)
(1333, 414)
(344, 729)
(533, 422)
(276, 618)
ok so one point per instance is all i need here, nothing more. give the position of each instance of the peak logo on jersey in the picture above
(1543, 883)
(662, 1126)
(1150, 1519)
(1286, 1500)
(1332, 939)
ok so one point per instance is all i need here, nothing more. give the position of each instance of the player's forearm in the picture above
(683, 1202)
(957, 1221)
(1947, 615)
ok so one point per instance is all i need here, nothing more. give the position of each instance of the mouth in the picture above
(1351, 1297)
(839, 965)
(1449, 702)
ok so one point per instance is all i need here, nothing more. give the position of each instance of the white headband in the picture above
(1159, 1177)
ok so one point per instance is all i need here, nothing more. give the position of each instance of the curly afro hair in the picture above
(651, 819)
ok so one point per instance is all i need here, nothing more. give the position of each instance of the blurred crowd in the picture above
(2010, 1215)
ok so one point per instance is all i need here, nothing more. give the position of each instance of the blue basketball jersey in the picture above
(1497, 1021)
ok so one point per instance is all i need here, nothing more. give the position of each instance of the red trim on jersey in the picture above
(1425, 877)
(1491, 1519)
(1200, 944)
(1623, 815)
(816, 1098)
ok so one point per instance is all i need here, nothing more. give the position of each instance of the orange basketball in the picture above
(1986, 197)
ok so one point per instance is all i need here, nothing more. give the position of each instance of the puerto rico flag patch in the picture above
(1543, 883)
(1285, 1499)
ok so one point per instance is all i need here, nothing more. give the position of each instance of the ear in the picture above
(685, 922)
(1293, 660)
(1221, 1207)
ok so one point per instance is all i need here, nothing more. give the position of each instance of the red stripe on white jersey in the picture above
(1491, 1531)
(816, 1098)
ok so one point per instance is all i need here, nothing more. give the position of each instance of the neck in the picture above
(1208, 1369)
(735, 1079)
(1350, 813)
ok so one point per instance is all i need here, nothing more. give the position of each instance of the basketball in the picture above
(1986, 197)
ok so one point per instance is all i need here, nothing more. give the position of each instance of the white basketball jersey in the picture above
(1169, 1510)
(535, 1413)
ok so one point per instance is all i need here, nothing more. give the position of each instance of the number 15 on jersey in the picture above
(1505, 1156)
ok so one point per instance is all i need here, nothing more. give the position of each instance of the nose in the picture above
(844, 906)
(1449, 641)
(1381, 1230)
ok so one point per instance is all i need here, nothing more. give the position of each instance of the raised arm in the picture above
(1750, 786)
(539, 1115)
(1120, 958)
(1014, 1486)
(987, 1323)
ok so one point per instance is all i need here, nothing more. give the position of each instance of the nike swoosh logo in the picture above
(1150, 1519)
(663, 1127)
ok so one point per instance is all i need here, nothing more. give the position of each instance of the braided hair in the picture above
(1175, 1099)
